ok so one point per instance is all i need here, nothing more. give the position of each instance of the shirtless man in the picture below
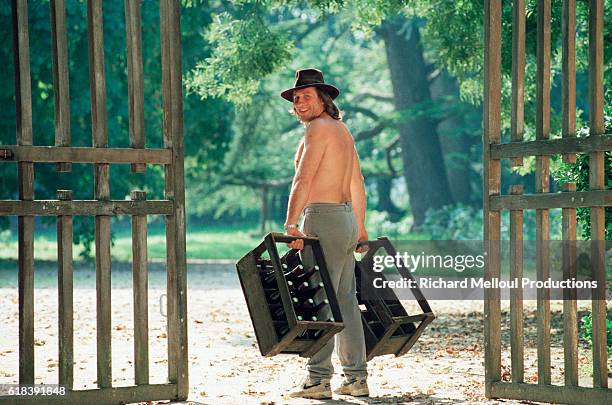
(328, 187)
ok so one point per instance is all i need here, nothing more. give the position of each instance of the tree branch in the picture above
(258, 183)
(369, 133)
(388, 149)
(378, 97)
(365, 111)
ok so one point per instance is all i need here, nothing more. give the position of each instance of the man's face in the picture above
(307, 104)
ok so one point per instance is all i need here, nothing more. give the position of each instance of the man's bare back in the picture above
(332, 179)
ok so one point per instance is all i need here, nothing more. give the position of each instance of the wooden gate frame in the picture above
(172, 207)
(597, 198)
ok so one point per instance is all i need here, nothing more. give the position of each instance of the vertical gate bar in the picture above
(597, 182)
(491, 186)
(133, 35)
(176, 89)
(25, 223)
(516, 294)
(570, 321)
(542, 186)
(141, 310)
(101, 191)
(518, 76)
(568, 77)
(171, 302)
(61, 89)
(65, 294)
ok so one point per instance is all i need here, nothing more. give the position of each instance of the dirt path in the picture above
(444, 367)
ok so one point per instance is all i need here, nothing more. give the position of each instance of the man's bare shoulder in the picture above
(317, 130)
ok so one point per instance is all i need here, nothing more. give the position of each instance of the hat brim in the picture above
(328, 88)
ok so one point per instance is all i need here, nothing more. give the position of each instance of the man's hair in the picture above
(328, 106)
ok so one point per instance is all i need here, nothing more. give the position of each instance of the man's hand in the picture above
(298, 243)
(362, 241)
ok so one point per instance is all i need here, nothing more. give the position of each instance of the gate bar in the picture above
(101, 192)
(518, 76)
(568, 74)
(570, 318)
(61, 89)
(23, 104)
(491, 183)
(175, 224)
(542, 175)
(597, 182)
(517, 340)
(133, 36)
(65, 294)
(140, 291)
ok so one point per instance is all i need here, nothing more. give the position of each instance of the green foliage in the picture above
(586, 331)
(380, 223)
(454, 222)
(206, 123)
(464, 222)
(579, 173)
(246, 50)
(454, 36)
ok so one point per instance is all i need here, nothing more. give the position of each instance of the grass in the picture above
(204, 241)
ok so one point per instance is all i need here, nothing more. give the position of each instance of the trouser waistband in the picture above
(328, 207)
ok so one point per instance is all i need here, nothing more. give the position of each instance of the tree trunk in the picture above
(263, 213)
(384, 203)
(423, 163)
(456, 143)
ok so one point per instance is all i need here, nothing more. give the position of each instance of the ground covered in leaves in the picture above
(444, 367)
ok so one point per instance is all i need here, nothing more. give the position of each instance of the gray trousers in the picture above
(336, 227)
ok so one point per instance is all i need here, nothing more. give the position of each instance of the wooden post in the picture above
(542, 175)
(518, 76)
(175, 224)
(570, 321)
(491, 187)
(133, 34)
(65, 293)
(61, 88)
(141, 311)
(101, 191)
(597, 182)
(23, 104)
(517, 340)
(568, 87)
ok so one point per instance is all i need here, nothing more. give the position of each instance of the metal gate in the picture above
(101, 207)
(597, 198)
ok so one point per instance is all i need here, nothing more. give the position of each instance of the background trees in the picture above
(410, 73)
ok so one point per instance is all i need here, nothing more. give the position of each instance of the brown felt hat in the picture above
(310, 77)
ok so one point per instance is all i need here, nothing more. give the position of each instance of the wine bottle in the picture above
(310, 303)
(282, 327)
(316, 334)
(272, 295)
(278, 312)
(310, 312)
(268, 279)
(300, 277)
(305, 290)
(294, 272)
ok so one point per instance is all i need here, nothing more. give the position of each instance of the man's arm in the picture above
(358, 196)
(315, 143)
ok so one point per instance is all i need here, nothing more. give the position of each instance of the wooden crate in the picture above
(387, 327)
(302, 337)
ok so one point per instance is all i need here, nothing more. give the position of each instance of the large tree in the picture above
(252, 46)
